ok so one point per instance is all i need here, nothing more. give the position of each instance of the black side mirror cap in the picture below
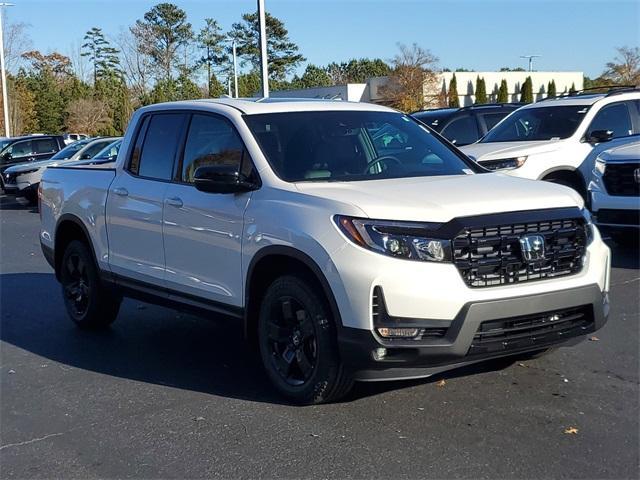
(599, 136)
(221, 179)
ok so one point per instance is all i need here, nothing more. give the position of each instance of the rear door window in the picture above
(44, 145)
(153, 156)
(462, 131)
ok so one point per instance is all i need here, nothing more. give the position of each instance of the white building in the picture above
(372, 90)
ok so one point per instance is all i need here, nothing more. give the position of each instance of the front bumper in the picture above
(459, 346)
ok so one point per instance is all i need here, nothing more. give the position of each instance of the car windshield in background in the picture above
(70, 150)
(351, 145)
(4, 143)
(538, 123)
(110, 152)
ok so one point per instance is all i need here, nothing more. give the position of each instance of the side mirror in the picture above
(221, 179)
(7, 156)
(599, 136)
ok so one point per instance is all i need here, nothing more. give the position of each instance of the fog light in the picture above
(398, 332)
(379, 353)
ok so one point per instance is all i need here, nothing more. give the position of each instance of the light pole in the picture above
(263, 50)
(235, 70)
(5, 100)
(530, 57)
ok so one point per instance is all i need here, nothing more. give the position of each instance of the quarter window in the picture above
(615, 118)
(212, 141)
(158, 147)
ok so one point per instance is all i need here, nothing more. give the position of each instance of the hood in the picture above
(24, 167)
(440, 199)
(629, 152)
(499, 150)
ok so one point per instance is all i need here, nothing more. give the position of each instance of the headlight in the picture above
(601, 166)
(504, 163)
(405, 240)
(588, 225)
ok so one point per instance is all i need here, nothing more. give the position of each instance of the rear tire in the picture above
(298, 344)
(88, 303)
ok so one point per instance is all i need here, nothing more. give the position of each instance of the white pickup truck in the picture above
(350, 241)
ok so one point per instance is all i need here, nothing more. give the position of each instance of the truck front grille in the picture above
(492, 255)
(530, 330)
(619, 179)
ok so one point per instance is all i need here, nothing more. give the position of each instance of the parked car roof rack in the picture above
(610, 90)
(469, 107)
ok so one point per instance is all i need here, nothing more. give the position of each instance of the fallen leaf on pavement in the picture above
(440, 383)
(571, 431)
(594, 339)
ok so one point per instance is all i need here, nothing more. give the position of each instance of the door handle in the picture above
(123, 192)
(174, 201)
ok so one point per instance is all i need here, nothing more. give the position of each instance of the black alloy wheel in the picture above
(292, 340)
(298, 343)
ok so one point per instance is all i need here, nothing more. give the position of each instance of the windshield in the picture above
(110, 151)
(538, 123)
(69, 150)
(351, 145)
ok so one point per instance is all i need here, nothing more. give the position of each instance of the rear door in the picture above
(203, 231)
(461, 131)
(136, 199)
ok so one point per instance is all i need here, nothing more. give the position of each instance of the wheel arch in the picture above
(68, 228)
(570, 174)
(266, 265)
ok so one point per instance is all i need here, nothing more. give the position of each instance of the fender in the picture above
(69, 217)
(300, 256)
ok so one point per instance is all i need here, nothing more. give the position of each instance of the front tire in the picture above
(298, 344)
(88, 303)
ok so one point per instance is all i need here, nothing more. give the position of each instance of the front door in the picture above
(203, 231)
(135, 202)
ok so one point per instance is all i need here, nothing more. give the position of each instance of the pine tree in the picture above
(101, 54)
(211, 41)
(551, 89)
(454, 100)
(572, 90)
(481, 91)
(526, 92)
(503, 92)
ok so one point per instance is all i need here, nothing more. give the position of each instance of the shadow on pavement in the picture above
(8, 202)
(152, 344)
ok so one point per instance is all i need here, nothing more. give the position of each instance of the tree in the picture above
(89, 116)
(100, 53)
(16, 42)
(526, 91)
(112, 90)
(551, 89)
(54, 63)
(162, 31)
(454, 99)
(413, 69)
(211, 41)
(216, 89)
(282, 53)
(625, 67)
(503, 92)
(313, 76)
(481, 91)
(137, 65)
(572, 90)
(357, 70)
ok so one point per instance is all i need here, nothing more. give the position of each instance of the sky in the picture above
(479, 35)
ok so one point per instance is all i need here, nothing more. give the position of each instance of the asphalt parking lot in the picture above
(168, 395)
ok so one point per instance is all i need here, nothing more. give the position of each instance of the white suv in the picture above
(349, 241)
(552, 139)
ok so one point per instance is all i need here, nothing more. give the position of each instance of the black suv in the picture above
(465, 125)
(31, 148)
